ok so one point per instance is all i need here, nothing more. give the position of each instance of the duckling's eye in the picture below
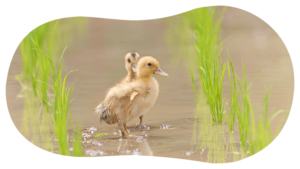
(149, 64)
(128, 60)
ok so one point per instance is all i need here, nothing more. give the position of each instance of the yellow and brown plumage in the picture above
(128, 100)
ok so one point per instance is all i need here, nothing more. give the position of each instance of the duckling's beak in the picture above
(134, 67)
(160, 72)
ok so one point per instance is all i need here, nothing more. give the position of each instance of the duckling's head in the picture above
(131, 59)
(149, 65)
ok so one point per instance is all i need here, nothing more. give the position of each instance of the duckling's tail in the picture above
(103, 112)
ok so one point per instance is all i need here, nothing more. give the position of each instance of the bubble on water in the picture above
(86, 135)
(115, 133)
(94, 143)
(127, 151)
(92, 132)
(92, 129)
(94, 152)
(164, 126)
(146, 135)
(139, 138)
(137, 152)
(71, 149)
(188, 153)
(148, 128)
(99, 144)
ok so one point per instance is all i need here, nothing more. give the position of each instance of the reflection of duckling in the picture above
(126, 101)
(135, 147)
(130, 59)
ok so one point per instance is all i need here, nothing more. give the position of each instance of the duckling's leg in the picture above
(129, 135)
(123, 129)
(141, 119)
(141, 125)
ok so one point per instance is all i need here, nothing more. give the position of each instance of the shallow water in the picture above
(99, 56)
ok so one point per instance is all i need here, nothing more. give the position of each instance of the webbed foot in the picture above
(141, 126)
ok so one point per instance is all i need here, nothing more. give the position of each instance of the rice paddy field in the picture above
(228, 95)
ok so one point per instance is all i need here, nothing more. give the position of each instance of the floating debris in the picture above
(101, 134)
(164, 126)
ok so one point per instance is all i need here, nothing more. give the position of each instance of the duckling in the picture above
(131, 59)
(128, 100)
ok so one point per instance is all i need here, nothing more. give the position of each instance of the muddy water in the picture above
(99, 56)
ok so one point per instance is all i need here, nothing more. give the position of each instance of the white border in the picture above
(157, 15)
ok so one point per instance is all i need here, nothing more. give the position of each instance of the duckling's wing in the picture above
(132, 96)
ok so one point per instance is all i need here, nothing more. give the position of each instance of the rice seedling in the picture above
(243, 114)
(262, 135)
(37, 50)
(204, 28)
(199, 37)
(234, 96)
(60, 104)
(48, 38)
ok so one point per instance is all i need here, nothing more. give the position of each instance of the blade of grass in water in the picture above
(38, 50)
(60, 107)
(234, 95)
